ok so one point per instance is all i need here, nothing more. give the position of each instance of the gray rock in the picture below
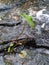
(43, 18)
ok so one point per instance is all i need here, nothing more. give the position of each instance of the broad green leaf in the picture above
(28, 19)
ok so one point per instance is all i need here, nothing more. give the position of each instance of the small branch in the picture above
(29, 42)
(21, 31)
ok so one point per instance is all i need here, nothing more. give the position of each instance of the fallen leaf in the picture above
(22, 54)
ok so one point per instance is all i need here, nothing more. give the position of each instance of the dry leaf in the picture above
(22, 54)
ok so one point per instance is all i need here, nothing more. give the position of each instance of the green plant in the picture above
(9, 48)
(28, 20)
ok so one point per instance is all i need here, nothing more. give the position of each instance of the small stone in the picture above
(43, 25)
(38, 29)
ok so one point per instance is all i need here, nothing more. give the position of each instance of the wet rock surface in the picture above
(13, 27)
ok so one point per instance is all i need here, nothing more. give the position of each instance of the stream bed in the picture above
(14, 29)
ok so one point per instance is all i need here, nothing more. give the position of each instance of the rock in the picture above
(7, 5)
(40, 16)
(38, 29)
(43, 17)
(35, 56)
(46, 1)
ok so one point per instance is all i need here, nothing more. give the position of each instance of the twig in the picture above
(21, 31)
